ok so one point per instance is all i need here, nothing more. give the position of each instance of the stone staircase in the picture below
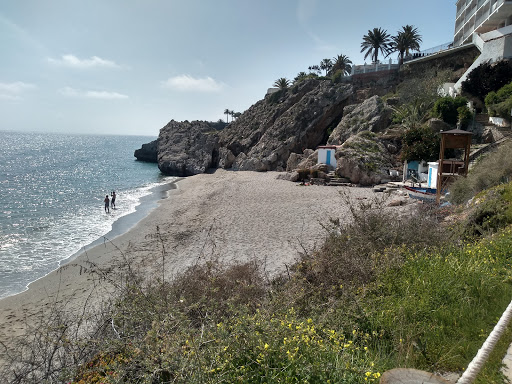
(337, 181)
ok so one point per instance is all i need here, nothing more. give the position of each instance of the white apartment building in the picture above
(480, 16)
(487, 24)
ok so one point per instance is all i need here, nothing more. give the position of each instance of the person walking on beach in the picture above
(107, 201)
(113, 201)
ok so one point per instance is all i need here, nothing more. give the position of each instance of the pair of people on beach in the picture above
(110, 201)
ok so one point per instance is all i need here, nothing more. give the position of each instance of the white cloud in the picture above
(74, 62)
(105, 95)
(191, 84)
(14, 91)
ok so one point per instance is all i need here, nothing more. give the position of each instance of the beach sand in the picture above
(229, 216)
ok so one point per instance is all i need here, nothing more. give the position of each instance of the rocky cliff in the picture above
(285, 122)
(262, 138)
(371, 115)
(187, 148)
(148, 152)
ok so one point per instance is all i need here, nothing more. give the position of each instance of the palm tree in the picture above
(376, 40)
(226, 112)
(408, 39)
(282, 83)
(300, 76)
(326, 65)
(232, 113)
(343, 63)
(315, 69)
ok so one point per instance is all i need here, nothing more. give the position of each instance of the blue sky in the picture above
(130, 66)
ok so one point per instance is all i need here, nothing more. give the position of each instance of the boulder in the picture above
(371, 115)
(293, 161)
(226, 158)
(289, 176)
(491, 134)
(148, 152)
(245, 163)
(364, 160)
(309, 161)
(187, 148)
(438, 125)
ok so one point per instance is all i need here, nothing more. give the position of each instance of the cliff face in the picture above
(187, 148)
(148, 152)
(262, 138)
(285, 122)
(371, 115)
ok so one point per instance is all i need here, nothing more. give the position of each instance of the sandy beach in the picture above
(230, 216)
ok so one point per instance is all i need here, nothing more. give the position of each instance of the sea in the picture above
(52, 191)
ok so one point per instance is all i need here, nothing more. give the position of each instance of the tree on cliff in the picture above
(376, 40)
(300, 76)
(342, 63)
(326, 65)
(227, 113)
(282, 83)
(314, 69)
(408, 39)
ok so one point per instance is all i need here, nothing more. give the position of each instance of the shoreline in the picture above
(231, 217)
(127, 222)
(120, 226)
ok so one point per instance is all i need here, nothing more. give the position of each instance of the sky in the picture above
(131, 66)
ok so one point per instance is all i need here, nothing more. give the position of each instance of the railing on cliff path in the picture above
(393, 64)
(430, 51)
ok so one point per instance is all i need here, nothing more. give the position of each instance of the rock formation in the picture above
(371, 115)
(187, 148)
(364, 160)
(148, 152)
(283, 123)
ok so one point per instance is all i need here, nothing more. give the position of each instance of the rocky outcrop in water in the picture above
(148, 152)
(187, 148)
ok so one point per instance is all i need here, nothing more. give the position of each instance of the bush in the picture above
(275, 97)
(420, 143)
(487, 78)
(500, 103)
(446, 108)
(491, 212)
(490, 170)
(464, 116)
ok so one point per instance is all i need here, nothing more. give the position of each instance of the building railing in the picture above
(375, 67)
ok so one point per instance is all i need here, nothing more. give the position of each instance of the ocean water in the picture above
(52, 188)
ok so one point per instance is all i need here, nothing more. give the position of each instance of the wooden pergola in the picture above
(450, 169)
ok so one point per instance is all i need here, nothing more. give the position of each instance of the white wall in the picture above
(323, 159)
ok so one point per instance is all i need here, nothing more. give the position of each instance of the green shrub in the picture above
(464, 116)
(487, 78)
(491, 212)
(446, 108)
(500, 103)
(275, 97)
(491, 98)
(420, 143)
(489, 171)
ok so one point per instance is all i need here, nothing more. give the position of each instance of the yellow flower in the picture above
(266, 346)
